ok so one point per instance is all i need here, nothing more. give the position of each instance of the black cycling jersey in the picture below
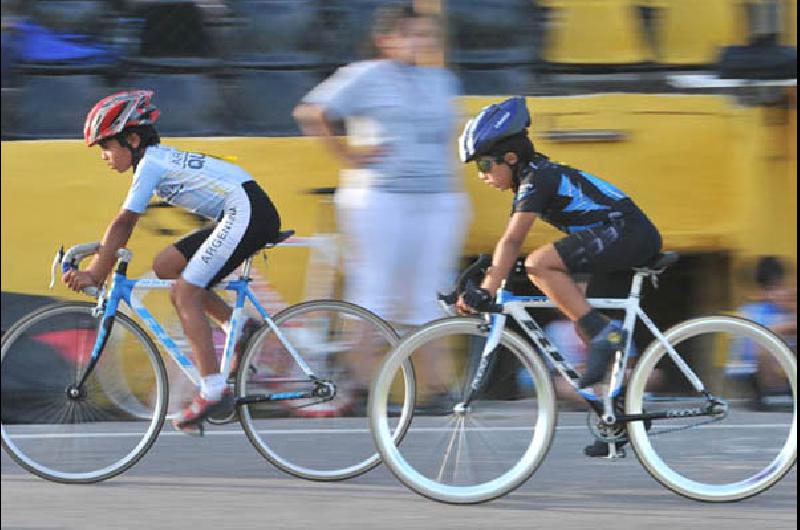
(570, 199)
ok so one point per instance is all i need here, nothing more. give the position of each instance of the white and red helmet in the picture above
(113, 114)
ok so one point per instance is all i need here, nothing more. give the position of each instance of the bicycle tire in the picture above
(739, 441)
(77, 437)
(414, 468)
(296, 456)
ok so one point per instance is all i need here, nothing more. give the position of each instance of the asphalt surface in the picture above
(220, 481)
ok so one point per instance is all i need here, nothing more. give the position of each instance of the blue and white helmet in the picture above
(493, 123)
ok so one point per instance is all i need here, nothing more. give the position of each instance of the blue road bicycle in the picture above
(697, 423)
(85, 391)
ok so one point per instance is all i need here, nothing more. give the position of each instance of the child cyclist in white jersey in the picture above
(605, 230)
(245, 220)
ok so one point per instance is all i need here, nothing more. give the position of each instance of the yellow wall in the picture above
(60, 192)
(711, 174)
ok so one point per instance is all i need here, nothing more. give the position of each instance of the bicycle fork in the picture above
(76, 390)
(496, 325)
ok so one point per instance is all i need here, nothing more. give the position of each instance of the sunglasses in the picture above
(484, 164)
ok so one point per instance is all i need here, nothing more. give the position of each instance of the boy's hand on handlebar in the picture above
(474, 299)
(463, 308)
(78, 280)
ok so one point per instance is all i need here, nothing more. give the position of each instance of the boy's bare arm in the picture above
(507, 250)
(117, 235)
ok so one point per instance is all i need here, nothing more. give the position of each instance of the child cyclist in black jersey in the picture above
(122, 125)
(606, 230)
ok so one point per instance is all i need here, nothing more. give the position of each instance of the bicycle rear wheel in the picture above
(466, 453)
(91, 436)
(744, 449)
(319, 438)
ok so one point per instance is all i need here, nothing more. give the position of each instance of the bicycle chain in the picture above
(233, 417)
(621, 432)
(685, 427)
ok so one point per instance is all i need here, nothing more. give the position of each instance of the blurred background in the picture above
(238, 67)
(714, 165)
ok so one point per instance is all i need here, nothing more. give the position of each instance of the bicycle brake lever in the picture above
(56, 262)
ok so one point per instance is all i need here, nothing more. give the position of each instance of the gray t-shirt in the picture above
(409, 111)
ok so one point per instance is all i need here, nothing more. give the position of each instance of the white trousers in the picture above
(400, 249)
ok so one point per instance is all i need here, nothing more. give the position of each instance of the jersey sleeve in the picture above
(534, 194)
(145, 180)
(343, 92)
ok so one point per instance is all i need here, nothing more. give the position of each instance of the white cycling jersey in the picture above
(194, 181)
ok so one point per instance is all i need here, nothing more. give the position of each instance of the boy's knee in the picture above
(169, 264)
(536, 264)
(164, 270)
(543, 261)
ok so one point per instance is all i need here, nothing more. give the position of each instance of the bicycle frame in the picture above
(515, 307)
(122, 290)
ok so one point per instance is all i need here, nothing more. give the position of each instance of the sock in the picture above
(592, 323)
(211, 387)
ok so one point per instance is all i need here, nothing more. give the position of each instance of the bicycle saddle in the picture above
(283, 235)
(661, 261)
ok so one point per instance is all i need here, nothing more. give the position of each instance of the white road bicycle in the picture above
(699, 434)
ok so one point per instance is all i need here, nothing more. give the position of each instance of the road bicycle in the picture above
(67, 417)
(693, 424)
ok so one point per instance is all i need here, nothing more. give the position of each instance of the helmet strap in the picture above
(136, 153)
(516, 175)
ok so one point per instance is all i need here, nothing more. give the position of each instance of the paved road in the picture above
(221, 482)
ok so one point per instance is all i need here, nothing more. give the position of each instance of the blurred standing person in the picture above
(400, 203)
(775, 307)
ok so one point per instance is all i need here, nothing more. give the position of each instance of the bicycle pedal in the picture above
(198, 430)
(223, 419)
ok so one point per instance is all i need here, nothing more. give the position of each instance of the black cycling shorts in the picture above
(629, 240)
(215, 262)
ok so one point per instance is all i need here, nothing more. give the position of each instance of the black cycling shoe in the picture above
(600, 449)
(601, 352)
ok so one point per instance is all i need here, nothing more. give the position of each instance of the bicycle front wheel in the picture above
(68, 434)
(325, 436)
(465, 450)
(751, 440)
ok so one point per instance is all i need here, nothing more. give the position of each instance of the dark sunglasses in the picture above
(484, 164)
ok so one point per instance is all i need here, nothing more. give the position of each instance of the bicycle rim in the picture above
(731, 456)
(317, 438)
(458, 453)
(93, 437)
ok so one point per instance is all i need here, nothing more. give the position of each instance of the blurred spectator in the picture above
(775, 307)
(401, 207)
(174, 29)
(37, 44)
